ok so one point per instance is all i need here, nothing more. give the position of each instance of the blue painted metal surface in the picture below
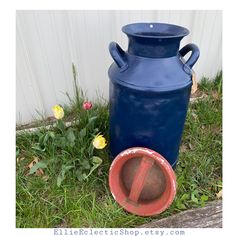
(150, 87)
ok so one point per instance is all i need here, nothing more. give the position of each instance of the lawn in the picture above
(69, 187)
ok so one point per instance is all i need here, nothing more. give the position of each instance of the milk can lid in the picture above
(142, 181)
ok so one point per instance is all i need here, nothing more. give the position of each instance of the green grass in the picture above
(41, 203)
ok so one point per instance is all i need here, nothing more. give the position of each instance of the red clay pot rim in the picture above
(142, 209)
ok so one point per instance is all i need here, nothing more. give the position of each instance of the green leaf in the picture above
(37, 166)
(97, 161)
(79, 175)
(181, 180)
(61, 125)
(37, 147)
(92, 119)
(51, 134)
(60, 178)
(60, 142)
(185, 196)
(82, 133)
(17, 151)
(46, 137)
(204, 198)
(41, 138)
(71, 137)
(180, 205)
(85, 164)
(193, 198)
(62, 174)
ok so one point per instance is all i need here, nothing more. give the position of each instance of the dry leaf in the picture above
(194, 115)
(38, 172)
(190, 146)
(45, 177)
(32, 163)
(197, 96)
(219, 194)
(194, 86)
(183, 148)
(19, 159)
(100, 171)
(215, 95)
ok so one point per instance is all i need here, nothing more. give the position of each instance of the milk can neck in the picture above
(154, 40)
(153, 47)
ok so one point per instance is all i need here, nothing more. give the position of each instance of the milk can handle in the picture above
(194, 55)
(118, 56)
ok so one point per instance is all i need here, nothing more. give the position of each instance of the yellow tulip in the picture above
(58, 112)
(99, 142)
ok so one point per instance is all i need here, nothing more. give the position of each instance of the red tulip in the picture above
(87, 105)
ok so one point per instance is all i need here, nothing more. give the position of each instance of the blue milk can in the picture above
(150, 86)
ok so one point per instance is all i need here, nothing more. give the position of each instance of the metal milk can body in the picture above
(150, 87)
